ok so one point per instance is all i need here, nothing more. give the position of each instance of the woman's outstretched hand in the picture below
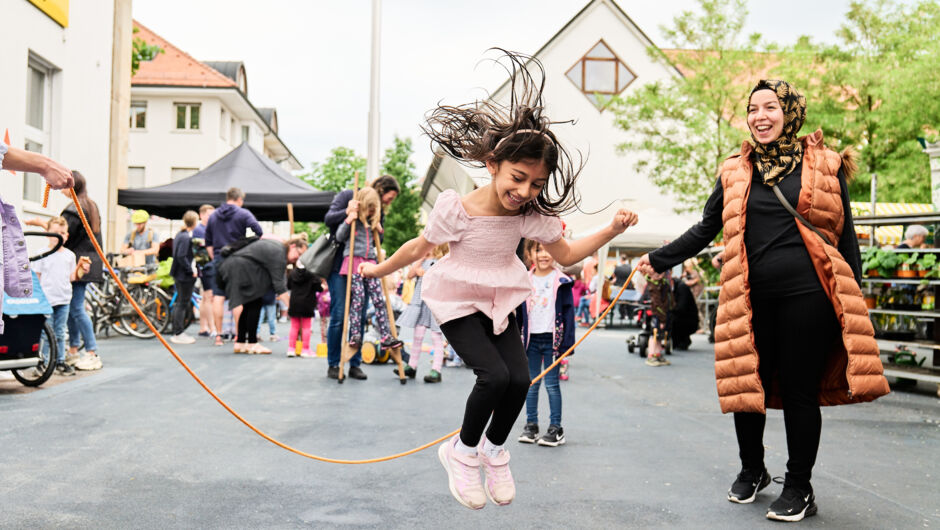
(367, 270)
(623, 219)
(645, 267)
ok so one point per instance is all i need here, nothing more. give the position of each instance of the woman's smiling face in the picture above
(765, 116)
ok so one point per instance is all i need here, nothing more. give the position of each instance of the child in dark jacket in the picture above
(547, 320)
(662, 302)
(304, 286)
(183, 271)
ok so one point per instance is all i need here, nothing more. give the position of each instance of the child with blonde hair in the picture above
(56, 273)
(365, 251)
(418, 316)
(473, 291)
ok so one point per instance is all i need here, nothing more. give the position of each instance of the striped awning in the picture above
(887, 235)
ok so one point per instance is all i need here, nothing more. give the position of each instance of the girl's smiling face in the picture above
(517, 183)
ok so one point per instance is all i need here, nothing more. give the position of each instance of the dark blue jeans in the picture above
(584, 309)
(334, 333)
(79, 324)
(541, 356)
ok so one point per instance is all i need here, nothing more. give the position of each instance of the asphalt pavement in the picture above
(140, 445)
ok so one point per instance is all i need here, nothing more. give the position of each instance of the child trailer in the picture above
(28, 345)
(641, 341)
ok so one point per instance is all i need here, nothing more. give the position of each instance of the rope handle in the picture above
(259, 432)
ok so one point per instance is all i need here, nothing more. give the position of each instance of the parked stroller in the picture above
(646, 321)
(28, 347)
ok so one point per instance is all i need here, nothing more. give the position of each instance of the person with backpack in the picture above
(142, 239)
(226, 225)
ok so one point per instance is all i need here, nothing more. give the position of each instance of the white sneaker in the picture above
(292, 353)
(90, 362)
(182, 338)
(72, 358)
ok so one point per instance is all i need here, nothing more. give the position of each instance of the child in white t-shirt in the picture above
(56, 273)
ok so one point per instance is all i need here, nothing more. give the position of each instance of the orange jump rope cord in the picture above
(247, 423)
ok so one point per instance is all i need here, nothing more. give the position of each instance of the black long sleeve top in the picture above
(778, 262)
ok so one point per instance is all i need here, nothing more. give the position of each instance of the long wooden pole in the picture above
(290, 220)
(345, 354)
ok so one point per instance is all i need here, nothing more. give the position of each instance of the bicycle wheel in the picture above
(129, 318)
(43, 371)
(154, 305)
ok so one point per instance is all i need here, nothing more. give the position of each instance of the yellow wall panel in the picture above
(57, 10)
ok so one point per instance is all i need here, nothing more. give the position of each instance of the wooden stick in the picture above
(345, 355)
(395, 352)
(290, 219)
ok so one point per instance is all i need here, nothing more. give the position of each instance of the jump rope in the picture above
(259, 432)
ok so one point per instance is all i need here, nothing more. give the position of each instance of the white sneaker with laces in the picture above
(89, 362)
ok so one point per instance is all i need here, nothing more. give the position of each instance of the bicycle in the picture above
(190, 316)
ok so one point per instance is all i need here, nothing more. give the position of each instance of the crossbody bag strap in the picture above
(796, 214)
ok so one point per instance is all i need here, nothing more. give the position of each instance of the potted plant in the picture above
(927, 265)
(908, 265)
(870, 261)
(888, 263)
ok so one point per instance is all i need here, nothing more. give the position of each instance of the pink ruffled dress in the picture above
(482, 272)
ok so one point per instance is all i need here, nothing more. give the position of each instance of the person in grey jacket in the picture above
(247, 275)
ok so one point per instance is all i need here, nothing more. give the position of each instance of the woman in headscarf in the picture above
(793, 331)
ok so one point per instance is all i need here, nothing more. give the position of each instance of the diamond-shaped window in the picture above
(600, 73)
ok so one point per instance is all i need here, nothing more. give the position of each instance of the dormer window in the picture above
(600, 72)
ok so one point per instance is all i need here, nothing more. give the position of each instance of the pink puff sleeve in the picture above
(542, 228)
(447, 221)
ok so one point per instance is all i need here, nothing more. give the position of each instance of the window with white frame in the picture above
(223, 125)
(138, 114)
(246, 133)
(38, 131)
(187, 116)
(232, 133)
(600, 73)
(179, 173)
(136, 177)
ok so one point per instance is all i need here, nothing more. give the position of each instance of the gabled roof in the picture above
(615, 7)
(174, 67)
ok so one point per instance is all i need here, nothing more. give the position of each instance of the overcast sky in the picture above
(310, 59)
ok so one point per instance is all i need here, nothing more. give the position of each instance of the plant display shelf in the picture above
(908, 281)
(889, 345)
(906, 313)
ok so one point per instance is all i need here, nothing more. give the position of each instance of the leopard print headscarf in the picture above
(778, 158)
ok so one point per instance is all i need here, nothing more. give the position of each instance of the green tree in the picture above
(872, 91)
(683, 128)
(401, 221)
(141, 51)
(334, 174)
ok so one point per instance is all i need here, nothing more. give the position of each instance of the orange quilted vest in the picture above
(854, 373)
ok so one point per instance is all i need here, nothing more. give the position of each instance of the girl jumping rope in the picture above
(418, 316)
(474, 290)
(367, 219)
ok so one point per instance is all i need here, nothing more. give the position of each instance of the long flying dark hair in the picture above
(474, 133)
(88, 205)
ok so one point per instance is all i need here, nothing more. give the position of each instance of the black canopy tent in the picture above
(268, 189)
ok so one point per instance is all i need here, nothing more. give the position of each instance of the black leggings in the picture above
(502, 371)
(794, 336)
(183, 304)
(248, 321)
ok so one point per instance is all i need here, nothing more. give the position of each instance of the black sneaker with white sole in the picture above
(747, 485)
(530, 433)
(554, 437)
(793, 505)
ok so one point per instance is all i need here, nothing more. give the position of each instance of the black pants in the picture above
(248, 321)
(502, 370)
(184, 303)
(794, 336)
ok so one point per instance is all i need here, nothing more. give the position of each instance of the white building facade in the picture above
(599, 51)
(55, 95)
(186, 114)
